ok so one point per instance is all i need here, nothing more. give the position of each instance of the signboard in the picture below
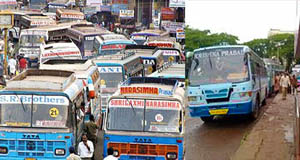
(8, 2)
(180, 34)
(161, 44)
(105, 8)
(127, 103)
(157, 104)
(126, 13)
(170, 53)
(113, 46)
(93, 2)
(27, 99)
(219, 53)
(145, 91)
(72, 16)
(172, 26)
(110, 69)
(6, 20)
(115, 9)
(152, 104)
(62, 52)
(42, 22)
(167, 14)
(177, 3)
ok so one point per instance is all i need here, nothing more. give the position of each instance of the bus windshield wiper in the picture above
(210, 61)
(130, 105)
(21, 102)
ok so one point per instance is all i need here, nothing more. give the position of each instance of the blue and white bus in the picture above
(115, 69)
(110, 44)
(171, 71)
(145, 120)
(40, 115)
(226, 80)
(273, 67)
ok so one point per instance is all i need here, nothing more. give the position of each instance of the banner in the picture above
(126, 13)
(177, 3)
(167, 14)
(172, 26)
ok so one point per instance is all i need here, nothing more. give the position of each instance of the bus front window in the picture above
(216, 68)
(125, 115)
(50, 116)
(162, 120)
(110, 76)
(16, 115)
(31, 40)
(44, 111)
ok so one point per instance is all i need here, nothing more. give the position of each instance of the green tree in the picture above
(196, 38)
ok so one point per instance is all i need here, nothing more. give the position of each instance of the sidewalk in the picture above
(271, 138)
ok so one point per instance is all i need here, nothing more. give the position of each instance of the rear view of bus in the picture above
(226, 80)
(145, 120)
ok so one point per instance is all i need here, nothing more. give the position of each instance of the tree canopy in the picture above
(278, 45)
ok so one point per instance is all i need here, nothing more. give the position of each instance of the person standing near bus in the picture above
(110, 154)
(91, 129)
(284, 83)
(85, 148)
(294, 84)
(72, 155)
(23, 64)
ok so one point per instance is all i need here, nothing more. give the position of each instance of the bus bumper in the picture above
(233, 109)
(29, 158)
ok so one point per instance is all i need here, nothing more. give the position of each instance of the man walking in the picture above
(85, 148)
(91, 129)
(284, 83)
(72, 155)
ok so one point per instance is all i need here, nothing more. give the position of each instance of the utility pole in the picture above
(5, 53)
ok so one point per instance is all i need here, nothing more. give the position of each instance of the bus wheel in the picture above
(207, 119)
(254, 114)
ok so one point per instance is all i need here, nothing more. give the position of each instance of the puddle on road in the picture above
(288, 133)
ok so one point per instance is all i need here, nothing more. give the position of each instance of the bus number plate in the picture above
(218, 111)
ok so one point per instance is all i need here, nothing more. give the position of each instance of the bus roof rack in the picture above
(52, 80)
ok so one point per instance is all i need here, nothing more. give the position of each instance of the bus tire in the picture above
(207, 119)
(255, 113)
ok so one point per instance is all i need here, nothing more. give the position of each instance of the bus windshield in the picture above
(110, 76)
(111, 49)
(31, 40)
(44, 112)
(218, 67)
(159, 115)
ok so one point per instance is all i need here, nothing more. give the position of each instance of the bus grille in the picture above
(32, 147)
(143, 149)
(218, 96)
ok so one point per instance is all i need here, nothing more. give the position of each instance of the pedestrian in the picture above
(12, 65)
(22, 64)
(72, 155)
(110, 154)
(294, 84)
(284, 83)
(85, 148)
(91, 129)
(290, 85)
(277, 83)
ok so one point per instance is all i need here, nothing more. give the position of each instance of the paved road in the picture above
(217, 140)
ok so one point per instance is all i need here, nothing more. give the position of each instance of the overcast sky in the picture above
(246, 19)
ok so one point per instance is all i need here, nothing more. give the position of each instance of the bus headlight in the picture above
(3, 150)
(116, 153)
(171, 156)
(192, 98)
(60, 151)
(244, 94)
